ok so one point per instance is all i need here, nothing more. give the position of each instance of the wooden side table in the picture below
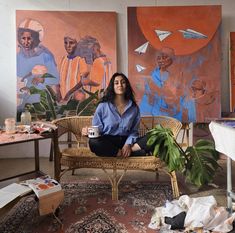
(17, 138)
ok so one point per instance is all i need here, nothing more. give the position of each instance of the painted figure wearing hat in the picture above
(92, 76)
(36, 66)
(73, 69)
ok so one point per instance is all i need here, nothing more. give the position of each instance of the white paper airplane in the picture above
(162, 34)
(140, 68)
(142, 48)
(191, 34)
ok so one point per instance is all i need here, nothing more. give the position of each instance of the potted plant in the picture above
(198, 162)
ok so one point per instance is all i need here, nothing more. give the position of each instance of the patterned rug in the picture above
(88, 208)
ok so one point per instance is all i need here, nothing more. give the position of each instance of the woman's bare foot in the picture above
(135, 147)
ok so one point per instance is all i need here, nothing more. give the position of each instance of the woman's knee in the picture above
(95, 143)
(102, 147)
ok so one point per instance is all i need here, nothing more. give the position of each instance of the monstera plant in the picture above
(198, 162)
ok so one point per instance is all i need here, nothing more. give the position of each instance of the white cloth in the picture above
(171, 209)
(220, 221)
(200, 210)
(156, 219)
(224, 137)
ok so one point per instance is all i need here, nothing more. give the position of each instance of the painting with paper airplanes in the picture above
(174, 61)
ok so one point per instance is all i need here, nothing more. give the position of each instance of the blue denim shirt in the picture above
(110, 122)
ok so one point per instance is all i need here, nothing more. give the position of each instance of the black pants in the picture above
(109, 146)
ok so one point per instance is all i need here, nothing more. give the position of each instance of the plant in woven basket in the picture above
(198, 162)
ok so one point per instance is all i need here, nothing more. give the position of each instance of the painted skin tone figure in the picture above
(72, 69)
(163, 92)
(26, 40)
(33, 61)
(79, 72)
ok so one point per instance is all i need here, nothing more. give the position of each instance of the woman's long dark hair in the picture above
(109, 95)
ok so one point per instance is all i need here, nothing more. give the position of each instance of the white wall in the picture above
(8, 42)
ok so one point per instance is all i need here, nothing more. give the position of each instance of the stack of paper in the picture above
(11, 192)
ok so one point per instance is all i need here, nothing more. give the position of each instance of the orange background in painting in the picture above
(232, 71)
(57, 24)
(177, 18)
(195, 58)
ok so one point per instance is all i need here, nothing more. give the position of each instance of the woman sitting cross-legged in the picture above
(117, 117)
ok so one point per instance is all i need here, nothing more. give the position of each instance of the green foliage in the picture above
(87, 107)
(47, 75)
(166, 148)
(201, 162)
(198, 163)
(47, 101)
(48, 107)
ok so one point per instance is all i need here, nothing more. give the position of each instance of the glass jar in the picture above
(10, 125)
(25, 118)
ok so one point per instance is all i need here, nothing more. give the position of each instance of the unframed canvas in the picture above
(174, 61)
(64, 60)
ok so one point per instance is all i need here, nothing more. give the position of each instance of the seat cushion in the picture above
(77, 152)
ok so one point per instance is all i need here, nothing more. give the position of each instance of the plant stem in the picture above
(181, 150)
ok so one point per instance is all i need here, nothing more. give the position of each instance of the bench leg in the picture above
(114, 180)
(174, 184)
(114, 190)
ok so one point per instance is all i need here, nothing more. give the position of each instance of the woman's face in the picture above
(119, 85)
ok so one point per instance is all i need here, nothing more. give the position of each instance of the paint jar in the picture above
(10, 125)
(25, 118)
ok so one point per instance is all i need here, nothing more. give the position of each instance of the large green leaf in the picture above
(201, 162)
(198, 163)
(165, 147)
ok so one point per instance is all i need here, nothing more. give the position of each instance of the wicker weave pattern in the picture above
(148, 122)
(74, 125)
(82, 157)
(73, 157)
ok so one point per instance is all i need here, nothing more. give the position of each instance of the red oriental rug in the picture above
(88, 208)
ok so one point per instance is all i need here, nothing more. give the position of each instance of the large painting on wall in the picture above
(64, 60)
(232, 71)
(174, 56)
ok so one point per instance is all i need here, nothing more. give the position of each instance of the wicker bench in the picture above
(81, 157)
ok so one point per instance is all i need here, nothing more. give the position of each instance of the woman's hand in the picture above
(85, 131)
(126, 150)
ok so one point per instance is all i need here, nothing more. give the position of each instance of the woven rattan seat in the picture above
(81, 157)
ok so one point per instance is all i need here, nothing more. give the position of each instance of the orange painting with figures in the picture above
(174, 60)
(65, 60)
